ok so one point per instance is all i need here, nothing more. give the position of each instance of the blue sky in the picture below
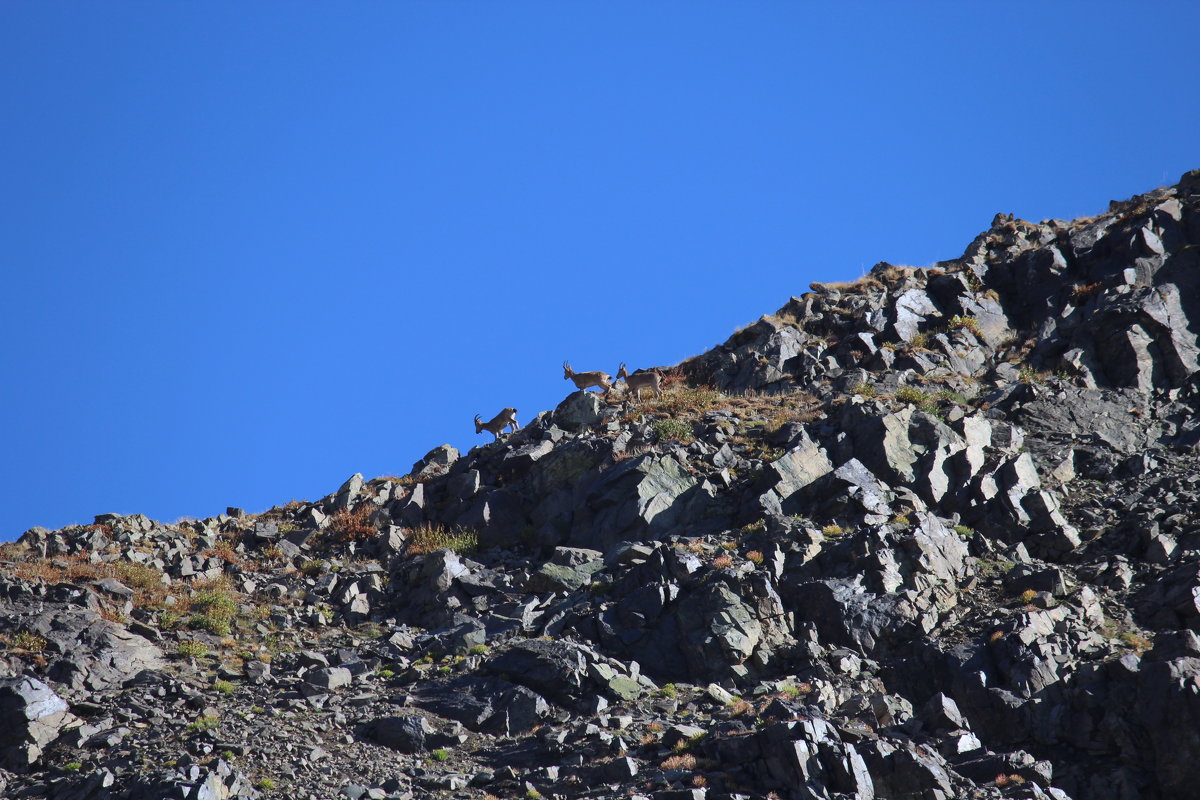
(249, 249)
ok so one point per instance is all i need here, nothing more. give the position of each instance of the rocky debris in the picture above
(932, 533)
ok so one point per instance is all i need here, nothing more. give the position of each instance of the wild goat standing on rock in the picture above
(641, 380)
(498, 423)
(585, 379)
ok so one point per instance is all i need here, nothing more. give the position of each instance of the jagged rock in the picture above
(329, 678)
(798, 468)
(85, 651)
(567, 570)
(1113, 418)
(349, 492)
(487, 704)
(405, 734)
(636, 499)
(556, 670)
(33, 717)
(436, 462)
(582, 409)
(910, 311)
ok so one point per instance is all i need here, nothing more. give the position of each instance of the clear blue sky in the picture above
(251, 248)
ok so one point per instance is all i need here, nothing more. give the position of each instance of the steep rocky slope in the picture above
(930, 534)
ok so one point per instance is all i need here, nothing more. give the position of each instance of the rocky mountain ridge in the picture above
(928, 534)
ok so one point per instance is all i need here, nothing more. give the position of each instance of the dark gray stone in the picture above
(404, 734)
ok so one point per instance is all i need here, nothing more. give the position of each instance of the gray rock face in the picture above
(800, 467)
(636, 499)
(436, 462)
(556, 670)
(487, 704)
(33, 716)
(85, 651)
(580, 410)
(911, 310)
(329, 678)
(405, 734)
(567, 570)
(1169, 713)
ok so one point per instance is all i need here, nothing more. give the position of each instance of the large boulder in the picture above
(31, 717)
(487, 704)
(404, 734)
(582, 409)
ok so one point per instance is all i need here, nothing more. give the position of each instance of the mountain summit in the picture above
(934, 533)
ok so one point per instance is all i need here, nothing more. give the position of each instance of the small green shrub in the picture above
(913, 396)
(863, 389)
(212, 610)
(312, 567)
(205, 724)
(989, 568)
(478, 650)
(224, 687)
(966, 323)
(673, 429)
(428, 538)
(214, 601)
(964, 532)
(441, 754)
(73, 766)
(265, 784)
(27, 640)
(190, 648)
(213, 623)
(144, 579)
(669, 691)
(953, 397)
(832, 531)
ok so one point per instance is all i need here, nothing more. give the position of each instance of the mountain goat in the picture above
(498, 423)
(642, 380)
(585, 379)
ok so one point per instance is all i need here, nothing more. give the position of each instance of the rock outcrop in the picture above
(929, 534)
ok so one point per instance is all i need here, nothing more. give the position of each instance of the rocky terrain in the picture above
(934, 533)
